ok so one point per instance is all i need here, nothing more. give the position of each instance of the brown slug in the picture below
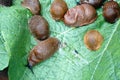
(58, 9)
(93, 39)
(39, 27)
(80, 15)
(42, 51)
(95, 3)
(33, 5)
(111, 11)
(6, 2)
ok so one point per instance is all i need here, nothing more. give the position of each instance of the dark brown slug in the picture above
(58, 9)
(33, 5)
(93, 39)
(42, 51)
(111, 11)
(6, 2)
(95, 3)
(80, 15)
(39, 27)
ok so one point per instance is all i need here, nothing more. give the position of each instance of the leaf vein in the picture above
(104, 51)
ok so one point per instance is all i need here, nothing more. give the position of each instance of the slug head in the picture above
(29, 67)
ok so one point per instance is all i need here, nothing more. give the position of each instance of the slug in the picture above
(42, 51)
(93, 40)
(58, 9)
(33, 5)
(95, 3)
(39, 27)
(6, 2)
(80, 15)
(111, 11)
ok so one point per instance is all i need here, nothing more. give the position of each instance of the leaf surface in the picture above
(65, 64)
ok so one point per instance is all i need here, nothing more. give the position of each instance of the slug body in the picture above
(58, 9)
(95, 3)
(43, 51)
(39, 27)
(32, 5)
(80, 15)
(111, 11)
(6, 2)
(93, 40)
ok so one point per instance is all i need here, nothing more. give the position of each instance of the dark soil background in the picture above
(4, 74)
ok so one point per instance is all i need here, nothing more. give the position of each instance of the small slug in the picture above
(93, 39)
(111, 11)
(6, 2)
(95, 3)
(80, 15)
(33, 5)
(42, 51)
(58, 9)
(39, 27)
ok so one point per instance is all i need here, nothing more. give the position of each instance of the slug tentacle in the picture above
(29, 67)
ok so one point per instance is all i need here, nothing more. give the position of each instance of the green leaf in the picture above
(13, 30)
(65, 64)
(4, 57)
(17, 2)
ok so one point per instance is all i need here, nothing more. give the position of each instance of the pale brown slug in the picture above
(58, 9)
(39, 27)
(80, 15)
(93, 40)
(33, 5)
(42, 51)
